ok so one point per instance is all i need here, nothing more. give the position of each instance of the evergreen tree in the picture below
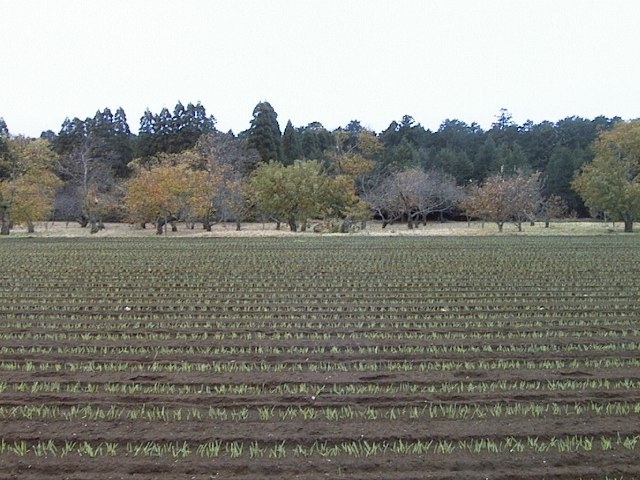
(510, 159)
(455, 163)
(538, 142)
(314, 140)
(4, 150)
(485, 158)
(145, 143)
(264, 134)
(291, 148)
(562, 166)
(71, 136)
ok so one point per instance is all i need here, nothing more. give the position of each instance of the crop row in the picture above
(431, 410)
(259, 349)
(234, 366)
(357, 448)
(94, 322)
(316, 336)
(315, 389)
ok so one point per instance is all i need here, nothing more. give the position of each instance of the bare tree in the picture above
(412, 194)
(226, 159)
(90, 183)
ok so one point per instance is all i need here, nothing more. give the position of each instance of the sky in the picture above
(330, 61)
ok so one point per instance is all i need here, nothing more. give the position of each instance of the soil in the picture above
(21, 387)
(525, 465)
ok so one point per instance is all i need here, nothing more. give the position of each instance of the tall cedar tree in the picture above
(291, 148)
(264, 134)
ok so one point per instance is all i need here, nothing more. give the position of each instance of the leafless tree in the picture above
(90, 183)
(413, 194)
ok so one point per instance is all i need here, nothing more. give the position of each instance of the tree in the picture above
(166, 193)
(293, 194)
(315, 140)
(485, 159)
(456, 163)
(225, 159)
(503, 199)
(561, 168)
(552, 207)
(264, 134)
(174, 132)
(5, 164)
(90, 182)
(291, 148)
(27, 194)
(412, 194)
(610, 183)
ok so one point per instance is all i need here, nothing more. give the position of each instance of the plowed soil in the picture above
(295, 350)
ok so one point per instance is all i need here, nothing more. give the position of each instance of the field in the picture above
(478, 357)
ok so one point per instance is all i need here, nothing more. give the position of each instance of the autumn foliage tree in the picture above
(166, 193)
(503, 199)
(27, 193)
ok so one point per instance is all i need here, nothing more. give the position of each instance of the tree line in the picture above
(179, 167)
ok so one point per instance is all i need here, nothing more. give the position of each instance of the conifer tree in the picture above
(264, 134)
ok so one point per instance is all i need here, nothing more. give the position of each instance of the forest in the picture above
(179, 167)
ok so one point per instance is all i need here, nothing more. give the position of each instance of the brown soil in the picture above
(463, 464)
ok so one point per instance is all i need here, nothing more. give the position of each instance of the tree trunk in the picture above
(519, 225)
(546, 224)
(159, 225)
(628, 223)
(500, 225)
(206, 224)
(237, 225)
(5, 229)
(174, 226)
(292, 224)
(83, 221)
(31, 228)
(94, 225)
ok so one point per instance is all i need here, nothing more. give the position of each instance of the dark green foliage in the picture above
(105, 136)
(538, 142)
(456, 163)
(264, 134)
(562, 166)
(291, 148)
(315, 140)
(172, 133)
(486, 157)
(510, 159)
(4, 150)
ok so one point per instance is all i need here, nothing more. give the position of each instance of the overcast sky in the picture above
(327, 61)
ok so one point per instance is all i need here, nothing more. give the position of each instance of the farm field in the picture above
(498, 357)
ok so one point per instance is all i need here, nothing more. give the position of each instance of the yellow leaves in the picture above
(355, 165)
(369, 144)
(609, 182)
(31, 187)
(156, 193)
